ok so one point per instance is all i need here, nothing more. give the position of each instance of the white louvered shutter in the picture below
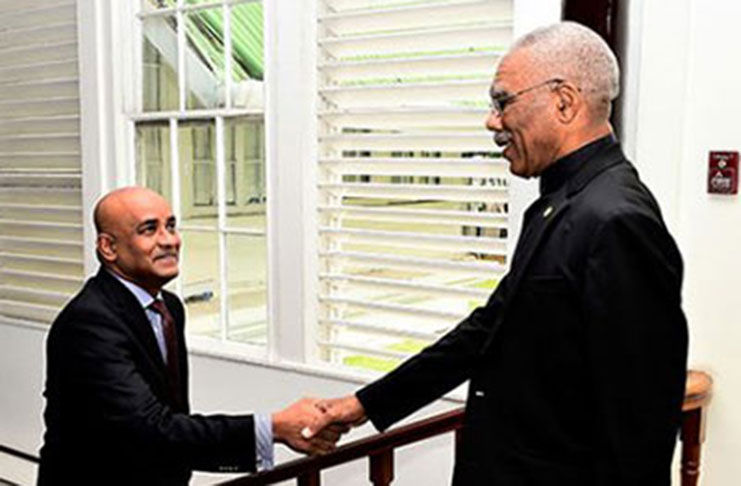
(413, 193)
(40, 198)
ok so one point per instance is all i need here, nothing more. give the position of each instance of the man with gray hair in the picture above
(577, 361)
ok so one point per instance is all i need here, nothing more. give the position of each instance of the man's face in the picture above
(526, 127)
(145, 242)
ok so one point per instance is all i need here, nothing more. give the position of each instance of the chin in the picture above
(518, 171)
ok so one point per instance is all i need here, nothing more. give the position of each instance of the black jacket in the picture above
(110, 416)
(577, 362)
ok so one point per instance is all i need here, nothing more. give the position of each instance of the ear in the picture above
(570, 102)
(106, 246)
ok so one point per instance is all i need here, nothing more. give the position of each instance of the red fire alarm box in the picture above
(723, 173)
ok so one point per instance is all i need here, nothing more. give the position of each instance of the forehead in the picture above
(512, 73)
(137, 208)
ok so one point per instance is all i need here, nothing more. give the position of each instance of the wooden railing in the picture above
(379, 449)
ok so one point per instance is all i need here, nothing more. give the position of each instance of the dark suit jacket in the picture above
(577, 362)
(110, 416)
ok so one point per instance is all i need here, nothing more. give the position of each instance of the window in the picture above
(413, 210)
(200, 141)
(391, 215)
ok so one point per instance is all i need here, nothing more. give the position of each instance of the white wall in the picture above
(689, 103)
(21, 378)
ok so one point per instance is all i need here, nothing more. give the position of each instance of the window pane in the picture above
(159, 64)
(247, 55)
(200, 278)
(204, 58)
(244, 151)
(197, 152)
(153, 157)
(247, 277)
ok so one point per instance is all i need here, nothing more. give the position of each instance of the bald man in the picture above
(117, 410)
(577, 361)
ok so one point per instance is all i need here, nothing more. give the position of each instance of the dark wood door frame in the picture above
(607, 18)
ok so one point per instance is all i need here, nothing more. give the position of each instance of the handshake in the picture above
(314, 425)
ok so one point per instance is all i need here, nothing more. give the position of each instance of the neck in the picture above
(579, 138)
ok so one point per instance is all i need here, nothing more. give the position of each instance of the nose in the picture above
(168, 239)
(494, 121)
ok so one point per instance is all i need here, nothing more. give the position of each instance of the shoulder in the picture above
(617, 195)
(90, 309)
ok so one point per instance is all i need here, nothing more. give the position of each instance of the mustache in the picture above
(166, 254)
(502, 138)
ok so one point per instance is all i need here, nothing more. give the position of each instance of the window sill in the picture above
(256, 356)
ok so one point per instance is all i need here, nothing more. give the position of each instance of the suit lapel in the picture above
(130, 310)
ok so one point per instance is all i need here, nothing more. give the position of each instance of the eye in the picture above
(504, 101)
(171, 226)
(148, 229)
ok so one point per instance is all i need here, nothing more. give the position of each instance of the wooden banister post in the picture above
(696, 399)
(691, 436)
(310, 478)
(382, 467)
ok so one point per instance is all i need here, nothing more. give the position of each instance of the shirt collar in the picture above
(144, 297)
(564, 168)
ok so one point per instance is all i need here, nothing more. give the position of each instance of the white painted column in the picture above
(291, 154)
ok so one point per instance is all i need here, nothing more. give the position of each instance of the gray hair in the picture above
(573, 52)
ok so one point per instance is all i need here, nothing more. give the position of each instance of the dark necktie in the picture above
(171, 344)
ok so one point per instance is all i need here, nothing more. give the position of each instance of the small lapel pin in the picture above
(547, 211)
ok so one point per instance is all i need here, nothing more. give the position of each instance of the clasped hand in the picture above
(314, 425)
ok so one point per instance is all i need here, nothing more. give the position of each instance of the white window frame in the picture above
(108, 98)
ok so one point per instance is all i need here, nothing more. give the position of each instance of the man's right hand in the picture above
(306, 414)
(344, 412)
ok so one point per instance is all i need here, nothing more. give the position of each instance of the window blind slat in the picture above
(412, 16)
(40, 125)
(38, 34)
(410, 118)
(430, 167)
(465, 63)
(24, 311)
(53, 142)
(37, 53)
(379, 329)
(418, 192)
(40, 107)
(394, 142)
(419, 217)
(419, 240)
(413, 43)
(39, 88)
(30, 13)
(65, 68)
(475, 267)
(380, 283)
(68, 251)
